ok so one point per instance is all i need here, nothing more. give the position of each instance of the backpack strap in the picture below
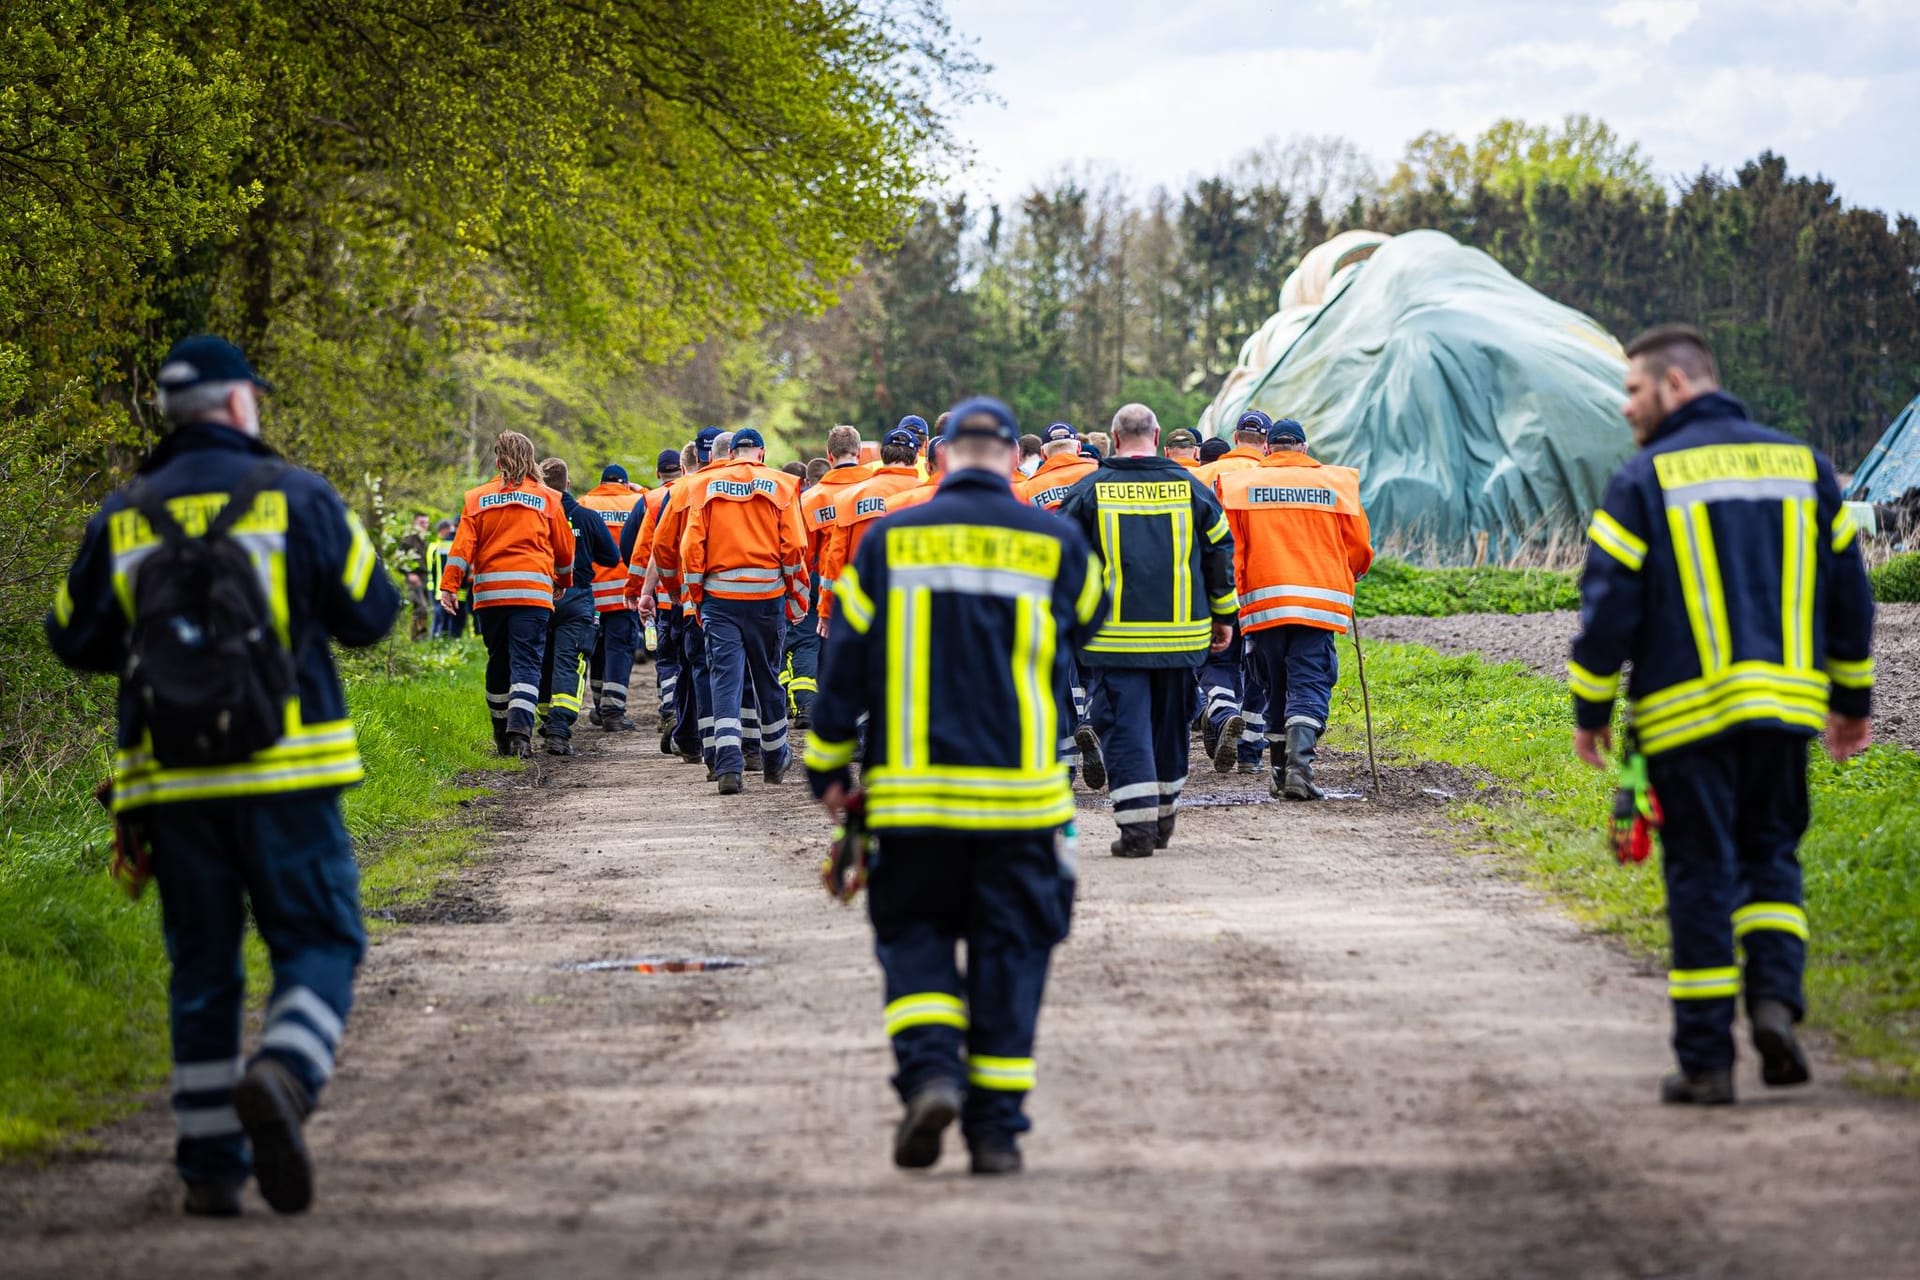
(141, 496)
(257, 480)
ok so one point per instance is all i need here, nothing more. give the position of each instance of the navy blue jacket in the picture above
(1724, 567)
(1168, 556)
(952, 631)
(593, 544)
(323, 580)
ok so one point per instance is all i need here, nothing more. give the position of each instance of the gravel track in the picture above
(1308, 1041)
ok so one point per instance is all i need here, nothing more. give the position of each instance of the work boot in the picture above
(692, 757)
(559, 746)
(213, 1199)
(272, 1106)
(1136, 840)
(667, 725)
(617, 723)
(1706, 1089)
(1782, 1061)
(1251, 767)
(1226, 748)
(751, 758)
(1164, 833)
(1093, 766)
(729, 784)
(916, 1143)
(993, 1159)
(778, 774)
(500, 742)
(594, 717)
(1302, 740)
(802, 721)
(518, 746)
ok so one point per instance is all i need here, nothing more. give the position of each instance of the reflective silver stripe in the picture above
(1764, 490)
(971, 581)
(305, 1002)
(1297, 614)
(1172, 788)
(1304, 593)
(524, 594)
(205, 1122)
(744, 575)
(458, 562)
(527, 576)
(533, 689)
(295, 1038)
(747, 590)
(1306, 720)
(333, 771)
(527, 705)
(193, 1077)
(1137, 791)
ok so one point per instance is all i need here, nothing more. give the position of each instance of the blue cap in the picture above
(901, 435)
(703, 443)
(1090, 453)
(205, 358)
(1254, 420)
(916, 424)
(1059, 431)
(965, 419)
(1286, 431)
(748, 438)
(613, 471)
(669, 460)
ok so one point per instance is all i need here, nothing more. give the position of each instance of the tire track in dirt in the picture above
(1308, 1041)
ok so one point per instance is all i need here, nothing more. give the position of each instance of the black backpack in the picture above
(206, 671)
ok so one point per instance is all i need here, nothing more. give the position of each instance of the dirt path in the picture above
(1304, 1043)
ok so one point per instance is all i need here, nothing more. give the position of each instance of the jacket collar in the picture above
(1714, 404)
(975, 479)
(611, 489)
(845, 473)
(1145, 462)
(198, 436)
(1290, 458)
(1058, 462)
(1244, 451)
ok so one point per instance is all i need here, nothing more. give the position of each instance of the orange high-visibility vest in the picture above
(1047, 487)
(616, 504)
(1238, 458)
(820, 505)
(864, 504)
(744, 538)
(514, 546)
(1300, 539)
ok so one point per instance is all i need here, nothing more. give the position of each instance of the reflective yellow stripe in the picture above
(1692, 534)
(358, 574)
(1226, 603)
(1219, 530)
(1614, 538)
(1182, 523)
(1780, 917)
(856, 607)
(1027, 693)
(926, 1009)
(1851, 675)
(1799, 521)
(1844, 530)
(1004, 1075)
(1090, 590)
(919, 677)
(1703, 984)
(1591, 687)
(825, 757)
(63, 605)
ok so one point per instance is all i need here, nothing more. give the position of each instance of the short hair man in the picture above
(572, 630)
(1030, 455)
(1102, 442)
(1723, 567)
(1183, 446)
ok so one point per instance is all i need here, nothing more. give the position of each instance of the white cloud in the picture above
(1660, 19)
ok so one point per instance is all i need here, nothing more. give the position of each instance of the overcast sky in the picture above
(1166, 89)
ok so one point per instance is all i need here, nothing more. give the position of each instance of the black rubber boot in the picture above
(617, 723)
(518, 746)
(1093, 765)
(213, 1199)
(729, 784)
(1136, 840)
(667, 725)
(1302, 741)
(751, 758)
(1164, 833)
(1782, 1061)
(916, 1143)
(774, 777)
(1226, 749)
(559, 746)
(594, 717)
(995, 1159)
(1707, 1089)
(272, 1107)
(500, 742)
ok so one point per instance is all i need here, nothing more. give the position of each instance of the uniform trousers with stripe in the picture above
(1734, 811)
(1230, 687)
(610, 669)
(563, 667)
(800, 657)
(1298, 667)
(743, 643)
(516, 639)
(291, 861)
(1008, 897)
(1142, 715)
(694, 701)
(666, 676)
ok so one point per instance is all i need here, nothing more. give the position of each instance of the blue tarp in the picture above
(1893, 467)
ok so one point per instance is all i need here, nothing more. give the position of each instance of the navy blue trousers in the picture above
(611, 668)
(563, 667)
(291, 861)
(516, 639)
(1298, 667)
(1735, 810)
(1229, 687)
(743, 643)
(693, 700)
(666, 670)
(1142, 715)
(1009, 897)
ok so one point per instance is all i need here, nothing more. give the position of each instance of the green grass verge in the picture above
(1861, 855)
(1898, 580)
(1396, 588)
(83, 1030)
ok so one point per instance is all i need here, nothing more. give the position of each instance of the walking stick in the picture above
(1366, 702)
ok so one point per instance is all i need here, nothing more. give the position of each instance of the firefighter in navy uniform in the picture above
(571, 633)
(955, 622)
(610, 667)
(1724, 568)
(1168, 559)
(263, 836)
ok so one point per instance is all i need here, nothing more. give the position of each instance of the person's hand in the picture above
(820, 628)
(1222, 637)
(1593, 745)
(449, 602)
(835, 801)
(1848, 736)
(648, 606)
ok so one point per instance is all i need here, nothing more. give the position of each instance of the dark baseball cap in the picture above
(669, 460)
(205, 358)
(916, 424)
(1254, 420)
(1183, 439)
(1058, 431)
(613, 471)
(901, 435)
(748, 438)
(982, 416)
(1214, 449)
(1286, 431)
(1090, 453)
(703, 443)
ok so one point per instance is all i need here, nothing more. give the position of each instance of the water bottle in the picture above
(653, 638)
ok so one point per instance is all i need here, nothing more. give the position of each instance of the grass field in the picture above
(1548, 812)
(82, 968)
(1394, 587)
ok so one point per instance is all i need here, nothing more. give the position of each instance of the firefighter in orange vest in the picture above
(645, 600)
(1233, 701)
(863, 505)
(1300, 539)
(515, 546)
(1063, 464)
(694, 703)
(819, 506)
(1183, 447)
(744, 563)
(611, 667)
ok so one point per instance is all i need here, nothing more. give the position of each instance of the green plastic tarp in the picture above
(1469, 403)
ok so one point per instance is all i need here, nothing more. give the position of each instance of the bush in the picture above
(1396, 588)
(1898, 580)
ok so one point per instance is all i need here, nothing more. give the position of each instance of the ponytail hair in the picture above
(513, 455)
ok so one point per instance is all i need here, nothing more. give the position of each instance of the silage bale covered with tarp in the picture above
(1469, 403)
